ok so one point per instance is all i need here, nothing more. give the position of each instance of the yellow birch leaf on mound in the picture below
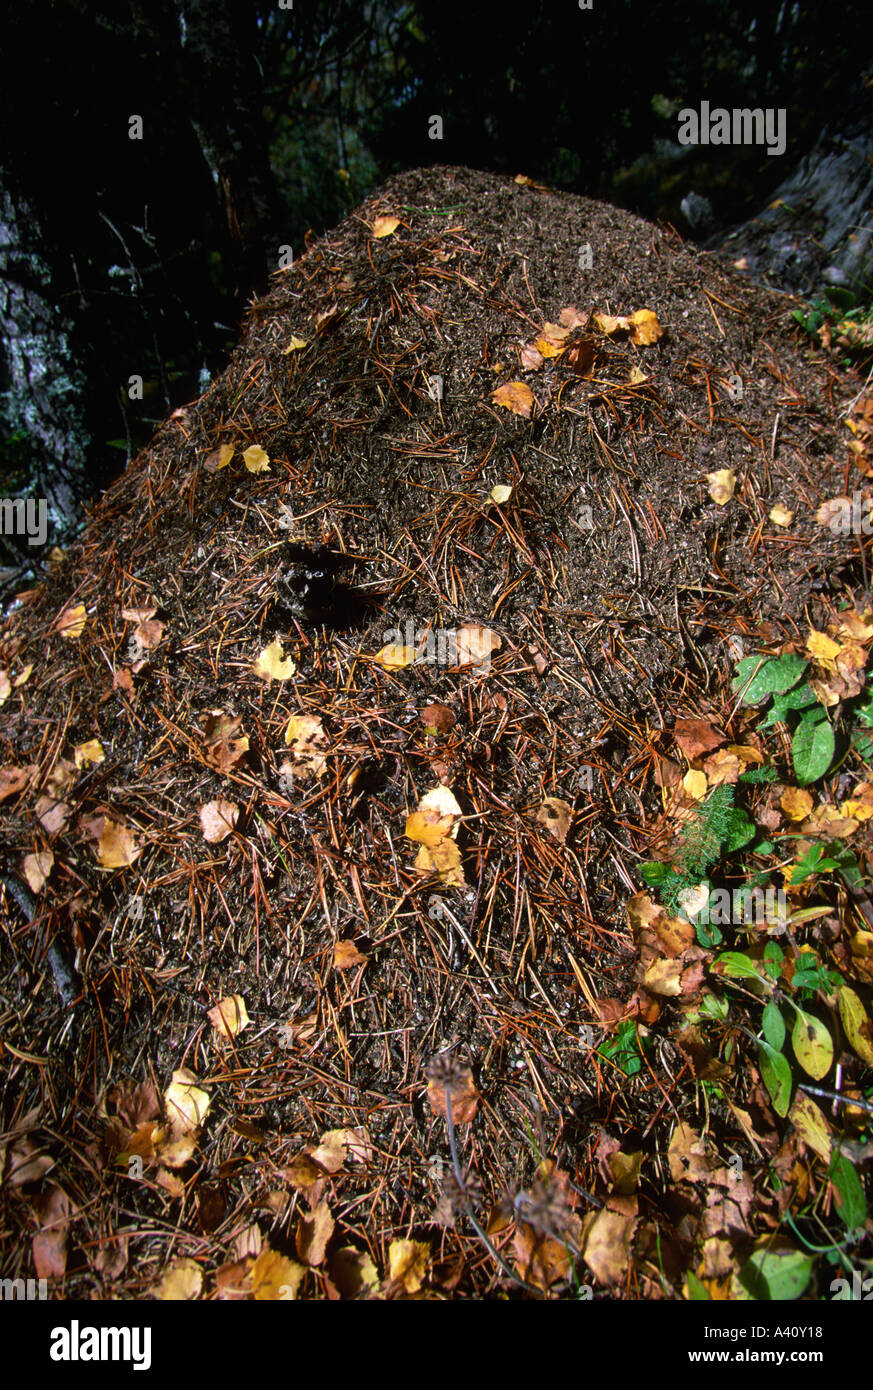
(15, 779)
(37, 868)
(256, 459)
(861, 946)
(407, 1263)
(180, 1281)
(856, 1024)
(694, 900)
(746, 753)
(812, 1125)
(475, 644)
(555, 332)
(636, 376)
(23, 677)
(825, 693)
(440, 801)
(217, 820)
(515, 396)
(556, 816)
(547, 348)
(609, 324)
(426, 831)
(346, 956)
(229, 1016)
(273, 665)
(116, 847)
(721, 485)
(833, 510)
(396, 655)
(530, 358)
(572, 318)
(781, 516)
(221, 748)
(295, 345)
(71, 623)
(275, 1278)
(85, 754)
(186, 1104)
(856, 626)
(695, 784)
(465, 1098)
(385, 226)
(858, 810)
(822, 648)
(500, 494)
(354, 1273)
(644, 327)
(607, 1245)
(796, 803)
(830, 820)
(443, 859)
(850, 658)
(219, 458)
(722, 766)
(665, 977)
(313, 1233)
(304, 735)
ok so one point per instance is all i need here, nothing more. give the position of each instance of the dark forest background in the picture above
(264, 125)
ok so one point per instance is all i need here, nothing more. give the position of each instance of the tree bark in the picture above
(43, 384)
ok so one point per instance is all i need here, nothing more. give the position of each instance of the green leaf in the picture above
(777, 1273)
(741, 831)
(697, 1290)
(763, 847)
(776, 675)
(813, 1045)
(654, 873)
(708, 934)
(713, 1007)
(851, 1202)
(737, 965)
(863, 746)
(840, 297)
(865, 712)
(776, 1073)
(773, 958)
(773, 1025)
(813, 861)
(812, 750)
(801, 698)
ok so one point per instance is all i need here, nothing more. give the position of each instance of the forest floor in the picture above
(362, 764)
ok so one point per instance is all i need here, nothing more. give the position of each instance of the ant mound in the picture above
(352, 705)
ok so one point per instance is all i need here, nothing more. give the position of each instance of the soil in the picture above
(376, 512)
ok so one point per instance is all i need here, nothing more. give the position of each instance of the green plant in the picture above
(623, 1048)
(811, 1041)
(839, 317)
(716, 828)
(760, 678)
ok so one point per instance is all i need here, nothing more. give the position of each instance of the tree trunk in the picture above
(43, 386)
